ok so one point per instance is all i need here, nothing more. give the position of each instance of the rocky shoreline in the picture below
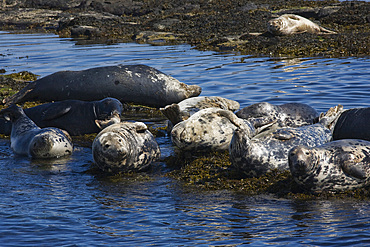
(231, 26)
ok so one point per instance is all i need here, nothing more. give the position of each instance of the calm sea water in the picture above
(60, 203)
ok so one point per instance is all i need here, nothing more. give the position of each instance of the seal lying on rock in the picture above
(75, 116)
(126, 146)
(183, 110)
(353, 124)
(286, 115)
(335, 166)
(292, 24)
(28, 139)
(269, 150)
(209, 129)
(130, 83)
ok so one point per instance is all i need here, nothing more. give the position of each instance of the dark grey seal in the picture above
(75, 116)
(125, 146)
(128, 83)
(28, 139)
(335, 166)
(285, 115)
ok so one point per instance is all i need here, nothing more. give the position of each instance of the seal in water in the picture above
(75, 116)
(335, 166)
(125, 146)
(130, 83)
(286, 115)
(183, 110)
(209, 129)
(28, 139)
(291, 24)
(353, 124)
(269, 149)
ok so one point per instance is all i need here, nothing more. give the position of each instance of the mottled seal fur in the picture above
(125, 146)
(28, 139)
(288, 24)
(353, 124)
(335, 166)
(128, 83)
(75, 116)
(209, 129)
(286, 115)
(269, 149)
(183, 110)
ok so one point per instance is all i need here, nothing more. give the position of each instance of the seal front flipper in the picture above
(55, 111)
(282, 135)
(355, 169)
(19, 97)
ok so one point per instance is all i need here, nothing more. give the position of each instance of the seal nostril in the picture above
(116, 82)
(106, 146)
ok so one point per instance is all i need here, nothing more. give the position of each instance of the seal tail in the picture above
(20, 95)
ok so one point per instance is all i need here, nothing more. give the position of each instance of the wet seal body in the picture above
(353, 124)
(28, 139)
(128, 83)
(269, 150)
(335, 166)
(183, 110)
(125, 146)
(209, 129)
(286, 115)
(288, 24)
(75, 116)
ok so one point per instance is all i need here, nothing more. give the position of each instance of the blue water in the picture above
(60, 203)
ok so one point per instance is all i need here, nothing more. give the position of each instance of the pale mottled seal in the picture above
(125, 146)
(209, 129)
(286, 115)
(183, 110)
(335, 166)
(75, 116)
(292, 24)
(353, 124)
(269, 150)
(128, 83)
(28, 139)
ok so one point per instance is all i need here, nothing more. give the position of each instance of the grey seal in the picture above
(138, 84)
(288, 24)
(75, 116)
(125, 146)
(183, 110)
(335, 166)
(210, 129)
(286, 115)
(28, 139)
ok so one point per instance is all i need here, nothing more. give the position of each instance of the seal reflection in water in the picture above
(126, 146)
(292, 24)
(335, 166)
(28, 139)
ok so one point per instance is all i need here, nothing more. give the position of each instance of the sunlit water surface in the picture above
(60, 203)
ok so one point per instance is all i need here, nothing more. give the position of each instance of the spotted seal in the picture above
(339, 165)
(183, 110)
(139, 84)
(209, 129)
(28, 139)
(288, 24)
(269, 149)
(286, 115)
(75, 116)
(125, 146)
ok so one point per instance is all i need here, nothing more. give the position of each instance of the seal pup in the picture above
(125, 146)
(269, 149)
(286, 115)
(288, 24)
(28, 139)
(75, 116)
(210, 129)
(183, 110)
(335, 166)
(138, 84)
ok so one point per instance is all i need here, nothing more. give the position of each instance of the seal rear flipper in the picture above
(19, 97)
(172, 112)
